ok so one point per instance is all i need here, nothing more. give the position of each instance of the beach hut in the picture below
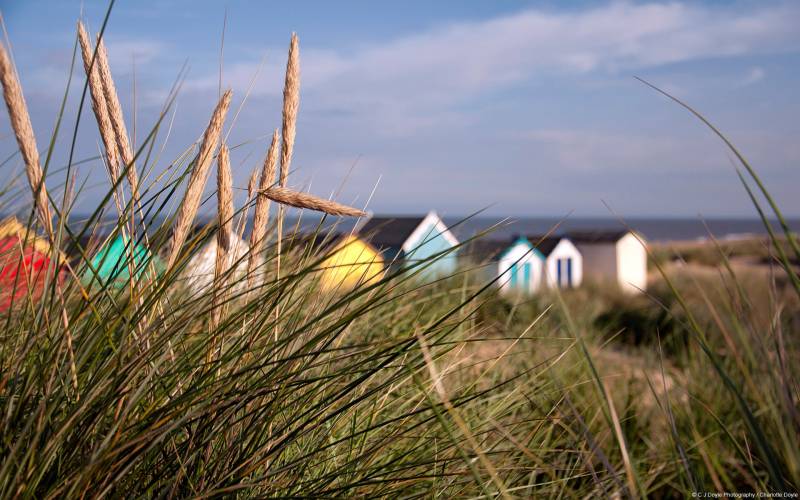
(517, 265)
(406, 241)
(618, 257)
(199, 271)
(350, 262)
(10, 226)
(563, 267)
(115, 259)
(24, 261)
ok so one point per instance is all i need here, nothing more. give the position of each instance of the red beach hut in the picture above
(23, 264)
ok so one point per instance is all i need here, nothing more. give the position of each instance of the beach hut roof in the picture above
(597, 236)
(483, 250)
(331, 241)
(393, 235)
(10, 226)
(390, 231)
(545, 244)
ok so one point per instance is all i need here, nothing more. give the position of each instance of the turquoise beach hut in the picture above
(521, 267)
(517, 266)
(407, 241)
(110, 265)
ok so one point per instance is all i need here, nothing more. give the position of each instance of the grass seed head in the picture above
(23, 131)
(291, 103)
(198, 177)
(99, 105)
(115, 114)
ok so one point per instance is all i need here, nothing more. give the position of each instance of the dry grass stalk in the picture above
(626, 459)
(198, 177)
(252, 184)
(100, 109)
(120, 131)
(107, 133)
(115, 114)
(125, 151)
(438, 386)
(261, 216)
(252, 189)
(291, 102)
(224, 210)
(298, 199)
(23, 131)
(225, 231)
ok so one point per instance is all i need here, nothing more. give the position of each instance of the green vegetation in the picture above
(746, 250)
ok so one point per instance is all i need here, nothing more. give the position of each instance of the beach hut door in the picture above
(526, 276)
(525, 281)
(564, 272)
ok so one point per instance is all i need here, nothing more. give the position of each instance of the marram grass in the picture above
(396, 388)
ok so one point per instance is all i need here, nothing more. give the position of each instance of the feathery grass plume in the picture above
(261, 216)
(225, 216)
(100, 108)
(115, 113)
(107, 134)
(298, 199)
(252, 184)
(120, 131)
(198, 177)
(252, 191)
(224, 208)
(23, 131)
(291, 102)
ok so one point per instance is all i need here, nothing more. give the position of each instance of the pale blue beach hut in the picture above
(424, 243)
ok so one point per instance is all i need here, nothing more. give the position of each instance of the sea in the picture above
(655, 229)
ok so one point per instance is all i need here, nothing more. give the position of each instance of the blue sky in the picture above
(529, 108)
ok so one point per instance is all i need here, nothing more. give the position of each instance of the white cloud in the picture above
(607, 152)
(426, 88)
(123, 52)
(587, 151)
(49, 79)
(755, 75)
(408, 83)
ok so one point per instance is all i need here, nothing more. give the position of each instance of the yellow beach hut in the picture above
(350, 262)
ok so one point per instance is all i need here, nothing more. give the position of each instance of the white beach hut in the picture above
(563, 261)
(614, 256)
(199, 272)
